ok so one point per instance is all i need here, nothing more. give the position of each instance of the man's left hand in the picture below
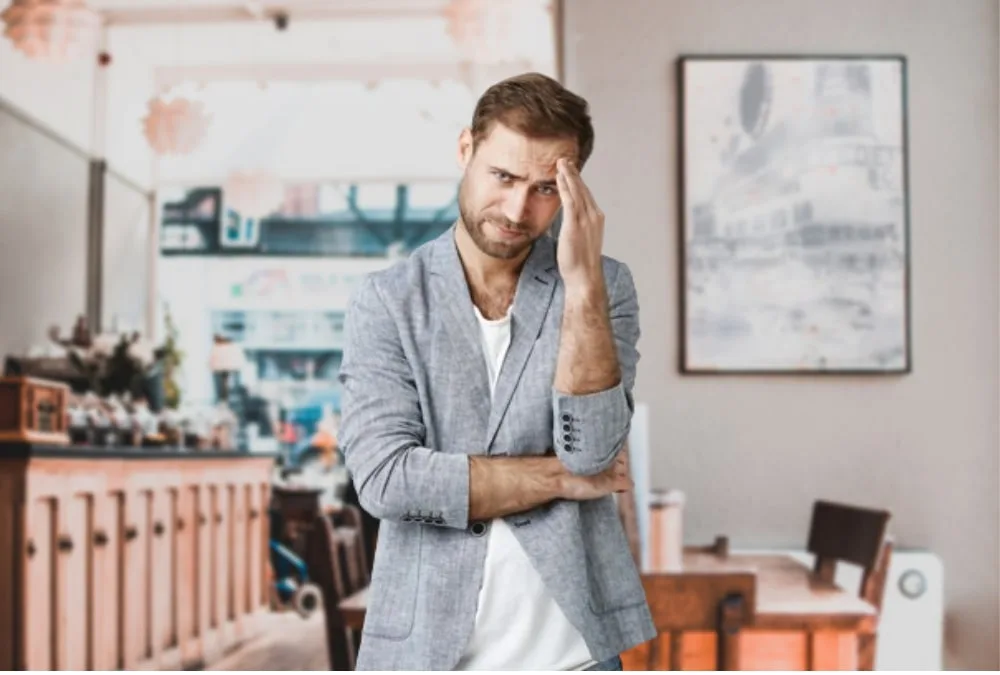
(581, 237)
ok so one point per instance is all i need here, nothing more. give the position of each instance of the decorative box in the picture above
(33, 411)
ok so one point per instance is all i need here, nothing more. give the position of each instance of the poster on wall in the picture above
(794, 214)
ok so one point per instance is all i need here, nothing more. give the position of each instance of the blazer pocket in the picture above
(613, 579)
(392, 594)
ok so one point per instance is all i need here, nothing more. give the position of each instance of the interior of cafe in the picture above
(805, 194)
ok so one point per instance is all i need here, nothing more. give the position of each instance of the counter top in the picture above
(22, 450)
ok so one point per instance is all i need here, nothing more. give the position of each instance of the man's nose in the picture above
(515, 206)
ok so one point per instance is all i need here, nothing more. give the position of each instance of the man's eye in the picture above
(502, 176)
(546, 190)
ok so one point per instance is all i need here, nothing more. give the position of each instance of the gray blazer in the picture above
(416, 402)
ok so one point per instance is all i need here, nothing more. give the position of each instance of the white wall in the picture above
(60, 96)
(752, 453)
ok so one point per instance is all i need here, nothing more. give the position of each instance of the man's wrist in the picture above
(586, 291)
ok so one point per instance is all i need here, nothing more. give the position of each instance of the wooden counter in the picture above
(129, 558)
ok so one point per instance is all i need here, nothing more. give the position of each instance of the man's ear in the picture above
(465, 148)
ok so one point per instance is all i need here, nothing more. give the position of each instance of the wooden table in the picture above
(795, 622)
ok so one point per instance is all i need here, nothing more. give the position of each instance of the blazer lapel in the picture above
(535, 288)
(459, 323)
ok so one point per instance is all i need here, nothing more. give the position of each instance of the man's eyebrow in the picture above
(502, 170)
(549, 182)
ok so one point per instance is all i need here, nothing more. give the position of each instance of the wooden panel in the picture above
(72, 555)
(136, 571)
(39, 552)
(773, 650)
(239, 556)
(833, 651)
(8, 570)
(251, 579)
(205, 569)
(186, 527)
(163, 570)
(106, 589)
(233, 563)
(264, 562)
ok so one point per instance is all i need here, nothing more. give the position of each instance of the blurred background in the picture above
(191, 189)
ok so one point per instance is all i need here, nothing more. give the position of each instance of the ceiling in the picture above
(144, 12)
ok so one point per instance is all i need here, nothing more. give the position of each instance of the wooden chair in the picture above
(348, 516)
(843, 533)
(334, 563)
(293, 510)
(716, 606)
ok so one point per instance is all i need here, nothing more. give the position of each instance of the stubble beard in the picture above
(476, 227)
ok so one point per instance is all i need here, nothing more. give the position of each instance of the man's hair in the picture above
(538, 107)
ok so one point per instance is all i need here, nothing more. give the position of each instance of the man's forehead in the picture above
(539, 148)
(518, 153)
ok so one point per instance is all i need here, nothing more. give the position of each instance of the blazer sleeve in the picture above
(382, 431)
(589, 430)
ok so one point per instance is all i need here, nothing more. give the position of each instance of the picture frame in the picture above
(794, 214)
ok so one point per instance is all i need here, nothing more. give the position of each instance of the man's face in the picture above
(508, 197)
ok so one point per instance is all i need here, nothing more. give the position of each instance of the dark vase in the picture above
(154, 391)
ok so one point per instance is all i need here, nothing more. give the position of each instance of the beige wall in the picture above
(753, 452)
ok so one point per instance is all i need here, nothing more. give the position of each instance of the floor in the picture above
(293, 643)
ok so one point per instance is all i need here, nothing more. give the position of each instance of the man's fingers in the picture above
(569, 189)
(582, 196)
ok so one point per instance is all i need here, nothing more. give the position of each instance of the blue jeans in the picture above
(614, 663)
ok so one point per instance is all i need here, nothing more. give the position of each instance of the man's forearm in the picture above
(501, 486)
(588, 360)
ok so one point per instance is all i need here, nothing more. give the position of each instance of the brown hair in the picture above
(537, 106)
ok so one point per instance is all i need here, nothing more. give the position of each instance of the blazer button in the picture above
(566, 417)
(439, 521)
(407, 518)
(478, 528)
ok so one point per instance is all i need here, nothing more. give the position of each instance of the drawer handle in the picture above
(158, 529)
(30, 549)
(131, 533)
(218, 517)
(100, 538)
(65, 543)
(202, 519)
(180, 524)
(254, 513)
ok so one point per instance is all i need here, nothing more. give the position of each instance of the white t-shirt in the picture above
(518, 624)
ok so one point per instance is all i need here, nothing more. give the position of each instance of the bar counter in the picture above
(130, 558)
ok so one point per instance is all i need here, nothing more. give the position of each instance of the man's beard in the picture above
(476, 227)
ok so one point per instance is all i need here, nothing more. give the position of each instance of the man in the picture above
(487, 394)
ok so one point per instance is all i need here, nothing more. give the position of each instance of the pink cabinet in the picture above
(129, 560)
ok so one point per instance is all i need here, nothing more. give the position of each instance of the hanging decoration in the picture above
(512, 31)
(466, 21)
(175, 126)
(51, 30)
(254, 194)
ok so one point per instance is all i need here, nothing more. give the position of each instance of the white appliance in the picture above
(911, 628)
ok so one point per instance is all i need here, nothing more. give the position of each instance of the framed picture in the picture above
(794, 214)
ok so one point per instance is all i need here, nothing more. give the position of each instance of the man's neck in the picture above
(492, 281)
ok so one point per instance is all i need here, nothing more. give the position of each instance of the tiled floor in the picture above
(292, 643)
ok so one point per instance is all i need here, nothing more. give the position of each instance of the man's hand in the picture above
(616, 478)
(581, 236)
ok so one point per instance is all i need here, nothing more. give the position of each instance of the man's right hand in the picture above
(616, 478)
